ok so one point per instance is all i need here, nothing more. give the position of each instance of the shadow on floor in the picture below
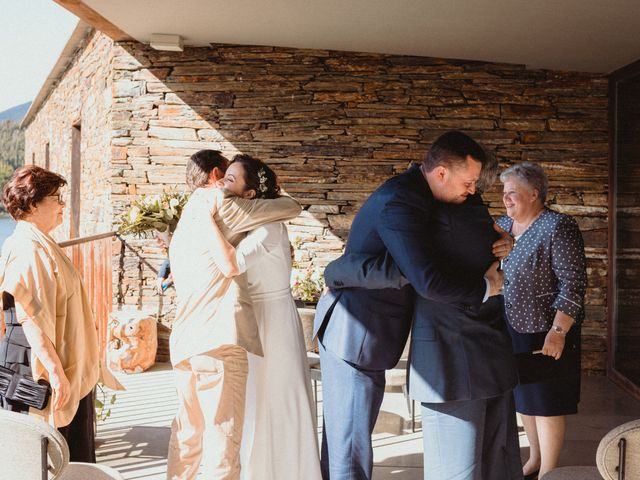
(135, 439)
(401, 467)
(148, 442)
(137, 452)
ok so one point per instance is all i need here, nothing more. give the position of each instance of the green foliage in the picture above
(306, 284)
(102, 404)
(5, 173)
(152, 213)
(11, 150)
(11, 144)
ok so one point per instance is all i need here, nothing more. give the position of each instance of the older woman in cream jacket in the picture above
(50, 331)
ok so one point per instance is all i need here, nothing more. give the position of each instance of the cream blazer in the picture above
(48, 290)
(213, 310)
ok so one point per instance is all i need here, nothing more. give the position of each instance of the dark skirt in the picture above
(555, 388)
(15, 354)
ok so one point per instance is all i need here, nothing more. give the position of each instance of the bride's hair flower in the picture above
(262, 178)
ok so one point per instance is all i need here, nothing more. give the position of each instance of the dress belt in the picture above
(282, 293)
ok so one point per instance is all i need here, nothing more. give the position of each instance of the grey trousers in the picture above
(351, 402)
(471, 440)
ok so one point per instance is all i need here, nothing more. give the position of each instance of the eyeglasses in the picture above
(58, 197)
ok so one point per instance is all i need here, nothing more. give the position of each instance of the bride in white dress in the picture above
(279, 437)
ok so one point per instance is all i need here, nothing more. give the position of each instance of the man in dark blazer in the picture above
(362, 331)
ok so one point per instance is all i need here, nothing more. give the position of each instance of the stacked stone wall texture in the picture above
(81, 98)
(335, 125)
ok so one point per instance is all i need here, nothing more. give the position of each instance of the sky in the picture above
(33, 33)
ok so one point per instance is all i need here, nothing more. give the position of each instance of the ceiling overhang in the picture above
(573, 35)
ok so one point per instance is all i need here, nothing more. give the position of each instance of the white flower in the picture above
(262, 177)
(151, 200)
(150, 213)
(133, 214)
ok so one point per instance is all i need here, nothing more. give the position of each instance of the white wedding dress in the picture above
(279, 437)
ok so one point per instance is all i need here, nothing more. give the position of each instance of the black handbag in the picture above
(24, 389)
(535, 367)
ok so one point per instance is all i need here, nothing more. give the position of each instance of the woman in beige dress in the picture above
(50, 331)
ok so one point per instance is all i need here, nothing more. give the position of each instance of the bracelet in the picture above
(559, 329)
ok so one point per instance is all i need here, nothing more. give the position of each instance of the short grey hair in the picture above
(530, 174)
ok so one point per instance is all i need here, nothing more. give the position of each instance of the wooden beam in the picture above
(93, 18)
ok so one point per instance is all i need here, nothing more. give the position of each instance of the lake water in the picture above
(6, 228)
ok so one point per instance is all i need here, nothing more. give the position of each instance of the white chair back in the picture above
(31, 448)
(23, 453)
(618, 455)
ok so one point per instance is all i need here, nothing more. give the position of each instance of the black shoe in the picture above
(532, 475)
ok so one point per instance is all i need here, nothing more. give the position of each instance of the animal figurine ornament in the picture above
(133, 341)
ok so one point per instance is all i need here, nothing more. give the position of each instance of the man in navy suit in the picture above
(412, 226)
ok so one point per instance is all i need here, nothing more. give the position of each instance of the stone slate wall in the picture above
(83, 97)
(335, 125)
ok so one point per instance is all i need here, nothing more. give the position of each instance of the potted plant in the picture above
(307, 287)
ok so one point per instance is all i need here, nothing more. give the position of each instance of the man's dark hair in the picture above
(451, 150)
(201, 164)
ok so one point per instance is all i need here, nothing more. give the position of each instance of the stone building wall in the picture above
(335, 125)
(82, 97)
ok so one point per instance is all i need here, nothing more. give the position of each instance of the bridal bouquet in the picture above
(150, 213)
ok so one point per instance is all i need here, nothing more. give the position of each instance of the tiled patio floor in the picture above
(134, 440)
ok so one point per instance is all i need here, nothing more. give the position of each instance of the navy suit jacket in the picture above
(459, 350)
(369, 327)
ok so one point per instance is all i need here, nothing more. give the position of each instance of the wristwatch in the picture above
(558, 329)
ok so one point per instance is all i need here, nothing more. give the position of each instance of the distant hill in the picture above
(15, 113)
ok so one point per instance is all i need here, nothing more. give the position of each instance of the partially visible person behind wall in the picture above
(164, 278)
(544, 286)
(50, 331)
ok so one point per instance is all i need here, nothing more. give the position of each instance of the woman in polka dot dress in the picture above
(544, 285)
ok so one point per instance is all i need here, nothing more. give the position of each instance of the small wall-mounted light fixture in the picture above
(171, 43)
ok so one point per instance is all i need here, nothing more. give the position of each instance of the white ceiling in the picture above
(578, 35)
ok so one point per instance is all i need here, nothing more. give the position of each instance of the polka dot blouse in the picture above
(545, 272)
